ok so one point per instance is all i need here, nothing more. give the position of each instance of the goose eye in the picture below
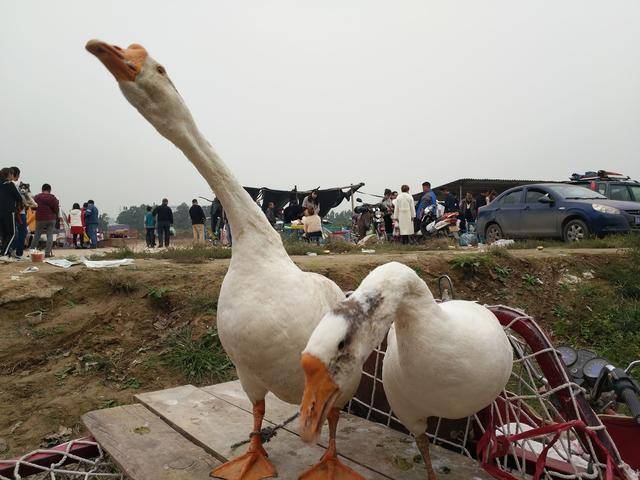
(341, 345)
(161, 69)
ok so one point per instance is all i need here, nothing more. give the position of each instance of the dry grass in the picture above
(202, 253)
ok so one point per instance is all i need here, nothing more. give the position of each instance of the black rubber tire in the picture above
(575, 230)
(423, 229)
(444, 233)
(493, 233)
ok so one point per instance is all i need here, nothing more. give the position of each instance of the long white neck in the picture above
(394, 293)
(253, 235)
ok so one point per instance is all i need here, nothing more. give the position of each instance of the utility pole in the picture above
(353, 199)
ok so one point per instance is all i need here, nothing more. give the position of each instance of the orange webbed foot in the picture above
(330, 468)
(253, 465)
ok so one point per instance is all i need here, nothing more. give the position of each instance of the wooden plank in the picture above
(383, 450)
(215, 425)
(145, 447)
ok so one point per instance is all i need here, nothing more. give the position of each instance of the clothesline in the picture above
(371, 194)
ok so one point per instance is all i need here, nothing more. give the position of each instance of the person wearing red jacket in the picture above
(46, 216)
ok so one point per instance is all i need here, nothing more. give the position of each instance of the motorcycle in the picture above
(368, 217)
(435, 222)
(606, 385)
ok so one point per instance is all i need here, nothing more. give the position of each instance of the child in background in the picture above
(76, 222)
(150, 228)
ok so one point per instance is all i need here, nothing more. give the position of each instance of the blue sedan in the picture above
(563, 211)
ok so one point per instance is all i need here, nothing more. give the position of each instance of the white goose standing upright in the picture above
(443, 360)
(267, 307)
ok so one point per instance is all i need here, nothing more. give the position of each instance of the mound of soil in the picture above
(103, 334)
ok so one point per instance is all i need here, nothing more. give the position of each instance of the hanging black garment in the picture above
(328, 198)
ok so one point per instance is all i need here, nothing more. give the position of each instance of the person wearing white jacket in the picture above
(76, 222)
(404, 213)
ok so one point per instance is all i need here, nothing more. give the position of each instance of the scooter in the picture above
(435, 222)
(378, 222)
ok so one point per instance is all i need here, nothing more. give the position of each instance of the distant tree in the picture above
(104, 222)
(181, 218)
(339, 219)
(132, 216)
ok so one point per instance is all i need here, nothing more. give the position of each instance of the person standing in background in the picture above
(164, 220)
(46, 216)
(22, 231)
(198, 218)
(311, 200)
(468, 212)
(92, 220)
(481, 199)
(387, 203)
(77, 225)
(396, 230)
(10, 199)
(270, 212)
(404, 213)
(450, 201)
(216, 216)
(427, 199)
(150, 228)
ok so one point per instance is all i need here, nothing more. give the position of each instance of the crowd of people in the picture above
(22, 215)
(25, 218)
(403, 216)
(158, 223)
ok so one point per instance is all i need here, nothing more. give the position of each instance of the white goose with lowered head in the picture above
(446, 359)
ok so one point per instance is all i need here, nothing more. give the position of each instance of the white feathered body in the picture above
(267, 311)
(451, 364)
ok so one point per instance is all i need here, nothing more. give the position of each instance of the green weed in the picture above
(610, 241)
(560, 312)
(191, 254)
(502, 271)
(499, 253)
(109, 403)
(159, 297)
(202, 303)
(199, 359)
(531, 280)
(118, 254)
(470, 263)
(131, 382)
(121, 284)
(604, 314)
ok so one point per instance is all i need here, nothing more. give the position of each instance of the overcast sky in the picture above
(343, 91)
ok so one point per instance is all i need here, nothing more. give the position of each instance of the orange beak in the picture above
(320, 393)
(123, 64)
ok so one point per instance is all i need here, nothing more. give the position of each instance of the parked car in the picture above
(612, 186)
(570, 212)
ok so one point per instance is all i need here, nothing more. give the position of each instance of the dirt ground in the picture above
(103, 334)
